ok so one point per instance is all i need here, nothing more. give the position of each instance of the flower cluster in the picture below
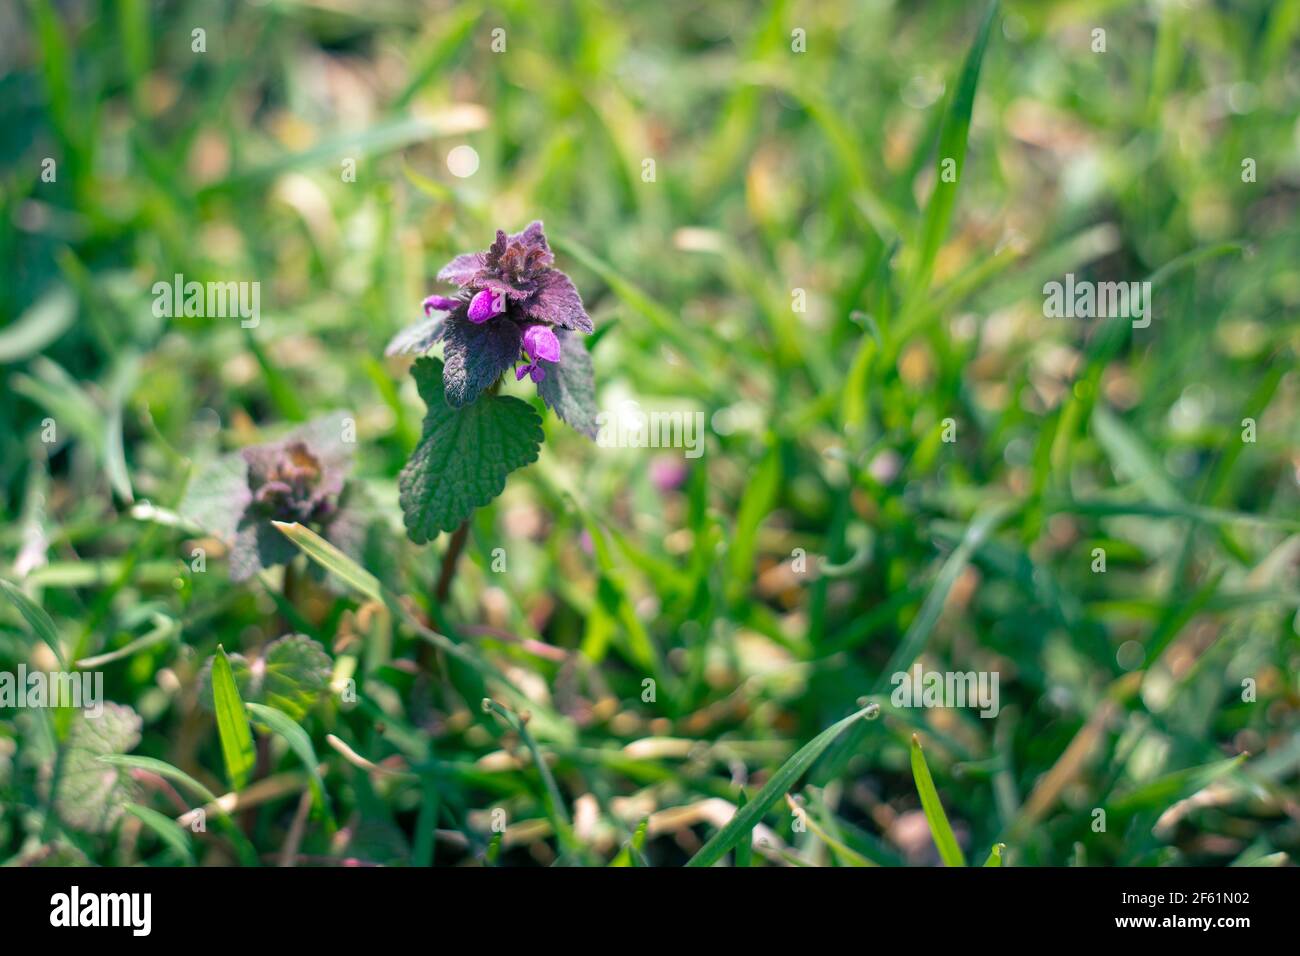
(511, 307)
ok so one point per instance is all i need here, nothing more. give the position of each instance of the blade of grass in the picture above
(40, 622)
(39, 326)
(247, 854)
(940, 829)
(953, 139)
(232, 723)
(845, 854)
(918, 633)
(164, 629)
(553, 801)
(740, 825)
(162, 769)
(298, 741)
(745, 848)
(167, 829)
(632, 852)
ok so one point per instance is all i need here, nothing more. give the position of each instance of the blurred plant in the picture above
(301, 478)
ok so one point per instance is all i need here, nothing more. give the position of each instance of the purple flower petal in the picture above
(484, 305)
(540, 342)
(537, 373)
(438, 303)
(522, 371)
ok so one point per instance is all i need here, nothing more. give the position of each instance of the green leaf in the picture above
(1164, 791)
(167, 829)
(164, 629)
(232, 723)
(940, 830)
(90, 796)
(300, 744)
(40, 622)
(995, 855)
(463, 456)
(740, 825)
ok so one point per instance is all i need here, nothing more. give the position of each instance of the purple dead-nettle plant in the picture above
(512, 311)
(301, 478)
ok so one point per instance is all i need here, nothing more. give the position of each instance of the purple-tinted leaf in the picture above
(258, 546)
(477, 355)
(301, 478)
(492, 258)
(569, 387)
(558, 302)
(417, 338)
(462, 269)
(535, 250)
(521, 289)
(217, 495)
(325, 438)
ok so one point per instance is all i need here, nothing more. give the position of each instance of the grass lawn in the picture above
(939, 497)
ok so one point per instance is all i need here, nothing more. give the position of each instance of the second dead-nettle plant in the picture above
(301, 478)
(512, 311)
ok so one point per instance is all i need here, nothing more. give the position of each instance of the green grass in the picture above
(655, 657)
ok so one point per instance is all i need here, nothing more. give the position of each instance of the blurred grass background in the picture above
(774, 171)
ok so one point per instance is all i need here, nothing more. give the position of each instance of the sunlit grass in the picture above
(799, 271)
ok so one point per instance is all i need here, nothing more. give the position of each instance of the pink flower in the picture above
(486, 304)
(540, 342)
(439, 303)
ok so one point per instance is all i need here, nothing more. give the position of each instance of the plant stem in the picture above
(289, 590)
(449, 559)
(442, 590)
